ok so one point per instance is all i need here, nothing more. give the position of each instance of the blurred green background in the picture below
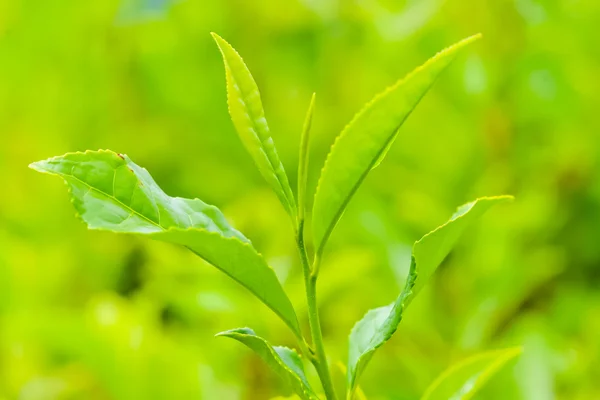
(91, 315)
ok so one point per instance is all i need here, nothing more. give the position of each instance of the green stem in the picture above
(310, 280)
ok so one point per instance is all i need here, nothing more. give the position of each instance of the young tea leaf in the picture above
(303, 159)
(463, 380)
(378, 325)
(110, 192)
(248, 116)
(285, 362)
(365, 140)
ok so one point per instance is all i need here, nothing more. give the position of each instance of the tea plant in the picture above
(110, 192)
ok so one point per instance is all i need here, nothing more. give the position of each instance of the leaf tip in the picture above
(235, 332)
(218, 39)
(462, 43)
(472, 38)
(502, 197)
(39, 166)
(311, 106)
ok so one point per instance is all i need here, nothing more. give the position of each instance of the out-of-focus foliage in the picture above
(463, 380)
(100, 316)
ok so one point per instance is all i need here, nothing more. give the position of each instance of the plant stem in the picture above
(310, 281)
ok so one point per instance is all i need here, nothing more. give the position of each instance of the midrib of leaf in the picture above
(119, 202)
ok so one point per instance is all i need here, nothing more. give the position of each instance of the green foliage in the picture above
(248, 116)
(463, 380)
(367, 138)
(111, 192)
(378, 325)
(284, 361)
(94, 315)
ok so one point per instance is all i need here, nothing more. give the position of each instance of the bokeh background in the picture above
(91, 315)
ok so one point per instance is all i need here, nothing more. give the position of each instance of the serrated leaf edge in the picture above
(288, 195)
(392, 137)
(248, 244)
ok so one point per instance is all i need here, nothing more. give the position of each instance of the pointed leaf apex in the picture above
(236, 331)
(474, 37)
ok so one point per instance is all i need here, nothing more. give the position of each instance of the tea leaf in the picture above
(248, 116)
(365, 140)
(463, 380)
(112, 193)
(284, 361)
(303, 159)
(379, 324)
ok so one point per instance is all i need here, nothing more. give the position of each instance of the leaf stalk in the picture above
(310, 281)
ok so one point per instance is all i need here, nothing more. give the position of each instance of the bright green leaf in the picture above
(385, 150)
(463, 380)
(303, 159)
(284, 361)
(365, 140)
(248, 116)
(112, 193)
(379, 324)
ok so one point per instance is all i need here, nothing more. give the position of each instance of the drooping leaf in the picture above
(379, 324)
(303, 159)
(284, 361)
(110, 192)
(463, 380)
(365, 140)
(248, 116)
